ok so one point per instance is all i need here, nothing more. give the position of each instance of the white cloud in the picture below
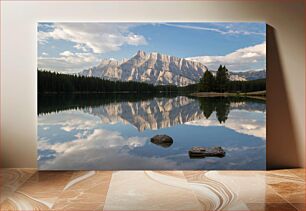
(81, 47)
(99, 37)
(100, 149)
(253, 57)
(66, 54)
(67, 128)
(69, 120)
(241, 121)
(44, 54)
(68, 62)
(227, 29)
(104, 138)
(88, 37)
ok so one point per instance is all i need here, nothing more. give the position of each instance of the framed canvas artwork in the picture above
(151, 96)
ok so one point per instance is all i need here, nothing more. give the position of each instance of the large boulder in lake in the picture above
(202, 152)
(162, 140)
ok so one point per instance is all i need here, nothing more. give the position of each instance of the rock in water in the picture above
(162, 140)
(202, 152)
(164, 145)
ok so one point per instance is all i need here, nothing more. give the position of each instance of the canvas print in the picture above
(151, 96)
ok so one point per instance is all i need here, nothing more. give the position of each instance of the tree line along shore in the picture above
(209, 85)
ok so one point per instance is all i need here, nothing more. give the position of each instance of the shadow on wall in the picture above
(281, 140)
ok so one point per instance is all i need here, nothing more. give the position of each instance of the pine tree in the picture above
(222, 78)
(207, 82)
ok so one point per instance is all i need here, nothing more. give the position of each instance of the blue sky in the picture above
(72, 47)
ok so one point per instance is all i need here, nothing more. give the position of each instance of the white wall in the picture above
(286, 68)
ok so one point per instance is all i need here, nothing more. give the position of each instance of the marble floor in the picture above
(28, 189)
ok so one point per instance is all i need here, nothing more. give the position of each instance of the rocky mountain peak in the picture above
(141, 54)
(157, 68)
(154, 68)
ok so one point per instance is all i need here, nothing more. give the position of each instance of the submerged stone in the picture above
(162, 140)
(202, 152)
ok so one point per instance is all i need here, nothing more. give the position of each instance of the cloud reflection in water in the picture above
(116, 136)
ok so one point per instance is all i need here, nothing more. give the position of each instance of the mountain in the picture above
(167, 112)
(159, 69)
(150, 114)
(245, 76)
(154, 68)
(162, 112)
(108, 69)
(250, 75)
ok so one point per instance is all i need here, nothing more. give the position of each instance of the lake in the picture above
(113, 132)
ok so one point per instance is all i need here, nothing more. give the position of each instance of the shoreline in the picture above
(117, 92)
(257, 94)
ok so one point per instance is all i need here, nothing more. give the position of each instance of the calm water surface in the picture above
(112, 132)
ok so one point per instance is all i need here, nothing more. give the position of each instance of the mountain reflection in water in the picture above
(154, 113)
(113, 131)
